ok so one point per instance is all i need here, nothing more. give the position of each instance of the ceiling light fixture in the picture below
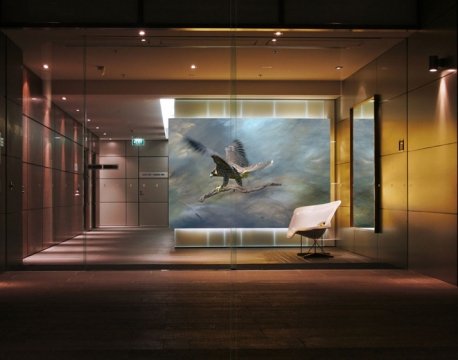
(274, 40)
(104, 134)
(142, 33)
(143, 40)
(278, 33)
(339, 67)
(77, 110)
(45, 66)
(193, 66)
(88, 120)
(64, 98)
(97, 127)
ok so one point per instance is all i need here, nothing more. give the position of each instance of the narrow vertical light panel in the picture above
(168, 111)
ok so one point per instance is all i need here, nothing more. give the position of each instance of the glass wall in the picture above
(47, 140)
(177, 147)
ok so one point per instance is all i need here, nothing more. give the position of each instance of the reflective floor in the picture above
(149, 247)
(207, 314)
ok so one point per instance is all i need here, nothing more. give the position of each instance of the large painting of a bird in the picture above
(234, 165)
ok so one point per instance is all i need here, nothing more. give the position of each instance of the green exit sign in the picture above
(138, 141)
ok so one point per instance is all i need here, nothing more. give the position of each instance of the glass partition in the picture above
(48, 134)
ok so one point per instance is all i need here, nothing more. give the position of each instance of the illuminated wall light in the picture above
(97, 127)
(143, 40)
(278, 33)
(142, 33)
(64, 98)
(77, 110)
(45, 66)
(274, 40)
(435, 63)
(193, 66)
(339, 67)
(104, 134)
(168, 111)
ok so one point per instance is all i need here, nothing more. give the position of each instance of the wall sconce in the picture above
(435, 63)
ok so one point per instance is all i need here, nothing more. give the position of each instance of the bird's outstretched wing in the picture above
(198, 147)
(235, 154)
(255, 167)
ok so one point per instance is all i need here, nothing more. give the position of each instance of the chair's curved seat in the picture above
(312, 222)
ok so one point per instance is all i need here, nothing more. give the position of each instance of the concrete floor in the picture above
(223, 314)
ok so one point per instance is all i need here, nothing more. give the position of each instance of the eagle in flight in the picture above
(234, 166)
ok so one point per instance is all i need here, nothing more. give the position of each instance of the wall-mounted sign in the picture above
(154, 174)
(138, 142)
(103, 166)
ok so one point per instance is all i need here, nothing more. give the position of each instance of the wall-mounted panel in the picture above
(393, 125)
(153, 190)
(132, 190)
(433, 245)
(119, 173)
(112, 190)
(154, 148)
(34, 187)
(433, 114)
(112, 214)
(343, 185)
(156, 164)
(343, 141)
(432, 175)
(14, 185)
(394, 181)
(13, 130)
(131, 167)
(366, 242)
(391, 72)
(35, 142)
(35, 231)
(112, 148)
(132, 214)
(393, 238)
(14, 72)
(154, 214)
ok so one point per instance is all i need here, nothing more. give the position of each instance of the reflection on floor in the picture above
(147, 246)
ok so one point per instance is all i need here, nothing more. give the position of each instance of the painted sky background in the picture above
(298, 147)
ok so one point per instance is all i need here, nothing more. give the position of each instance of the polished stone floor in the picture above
(224, 314)
(154, 248)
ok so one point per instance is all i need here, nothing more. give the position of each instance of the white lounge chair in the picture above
(312, 222)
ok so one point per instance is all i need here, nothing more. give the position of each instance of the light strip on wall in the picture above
(168, 111)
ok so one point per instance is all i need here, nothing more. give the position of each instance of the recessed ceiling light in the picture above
(278, 33)
(77, 110)
(45, 66)
(64, 98)
(274, 40)
(339, 67)
(97, 127)
(143, 40)
(142, 33)
(193, 67)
